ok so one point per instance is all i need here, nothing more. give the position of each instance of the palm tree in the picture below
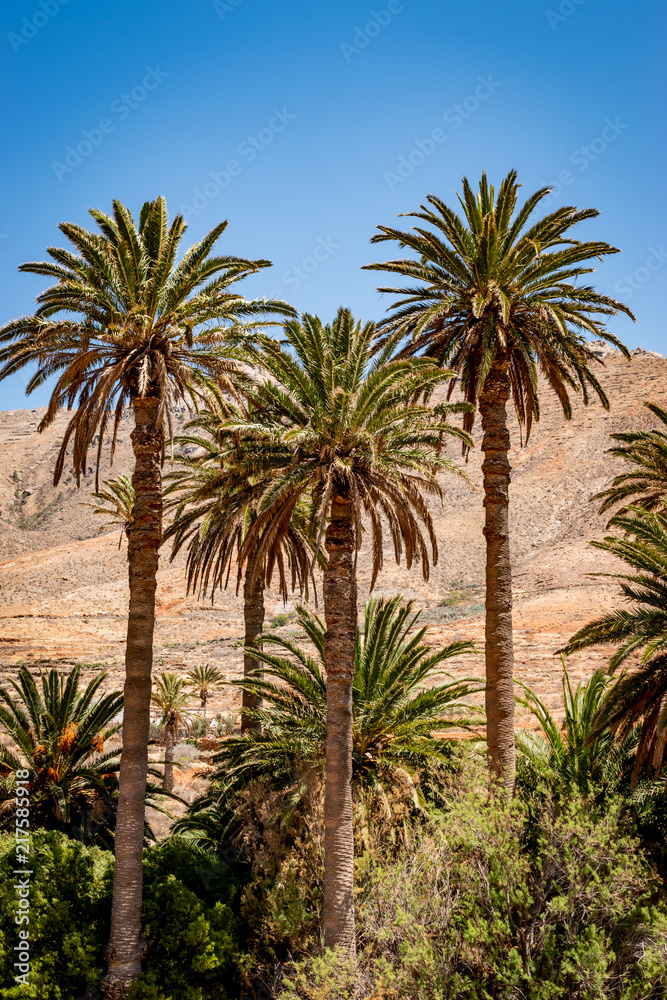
(115, 503)
(172, 699)
(205, 680)
(577, 754)
(642, 693)
(644, 626)
(59, 735)
(394, 716)
(126, 325)
(497, 300)
(360, 445)
(216, 504)
(645, 484)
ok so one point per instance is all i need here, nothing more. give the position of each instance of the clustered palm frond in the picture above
(644, 626)
(350, 424)
(395, 712)
(126, 320)
(491, 285)
(646, 483)
(581, 753)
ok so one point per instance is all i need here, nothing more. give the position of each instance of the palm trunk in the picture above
(340, 613)
(253, 615)
(204, 699)
(168, 779)
(498, 639)
(144, 537)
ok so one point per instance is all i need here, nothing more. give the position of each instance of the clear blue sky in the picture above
(316, 105)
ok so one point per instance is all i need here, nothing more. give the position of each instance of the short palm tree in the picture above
(394, 714)
(359, 444)
(644, 625)
(173, 701)
(498, 299)
(205, 680)
(126, 324)
(59, 735)
(645, 485)
(216, 502)
(576, 754)
(115, 503)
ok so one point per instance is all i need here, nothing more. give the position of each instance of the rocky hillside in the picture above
(63, 584)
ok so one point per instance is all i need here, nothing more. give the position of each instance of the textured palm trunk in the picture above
(498, 638)
(340, 613)
(145, 534)
(169, 741)
(203, 698)
(253, 616)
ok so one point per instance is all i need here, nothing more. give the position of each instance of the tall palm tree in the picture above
(173, 700)
(126, 324)
(497, 299)
(205, 680)
(645, 484)
(394, 718)
(360, 445)
(216, 502)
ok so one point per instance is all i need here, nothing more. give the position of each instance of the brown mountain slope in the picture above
(63, 586)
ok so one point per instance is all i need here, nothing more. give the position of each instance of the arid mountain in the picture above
(63, 584)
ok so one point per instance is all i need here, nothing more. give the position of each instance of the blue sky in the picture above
(308, 123)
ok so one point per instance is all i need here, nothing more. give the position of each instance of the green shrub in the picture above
(496, 906)
(188, 917)
(70, 904)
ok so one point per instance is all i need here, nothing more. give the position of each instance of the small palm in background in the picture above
(173, 701)
(394, 717)
(205, 680)
(115, 503)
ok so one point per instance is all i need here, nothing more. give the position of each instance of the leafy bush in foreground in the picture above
(497, 907)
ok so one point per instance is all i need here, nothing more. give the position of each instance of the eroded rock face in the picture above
(64, 586)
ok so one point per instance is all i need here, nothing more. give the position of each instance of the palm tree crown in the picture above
(60, 734)
(490, 283)
(350, 426)
(125, 320)
(115, 502)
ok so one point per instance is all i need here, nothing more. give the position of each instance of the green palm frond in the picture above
(115, 503)
(173, 700)
(646, 482)
(644, 626)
